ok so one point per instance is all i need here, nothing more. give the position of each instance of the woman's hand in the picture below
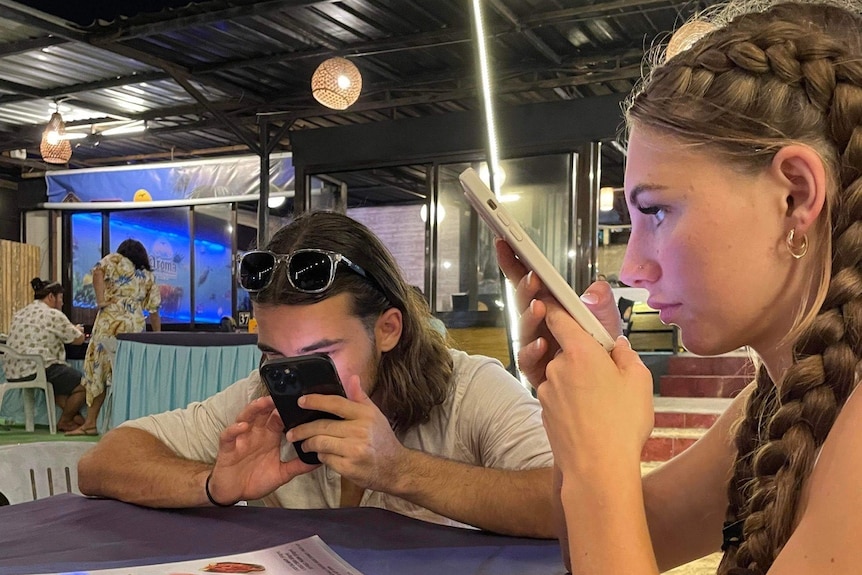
(596, 407)
(538, 346)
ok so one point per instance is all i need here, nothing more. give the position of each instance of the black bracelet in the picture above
(210, 495)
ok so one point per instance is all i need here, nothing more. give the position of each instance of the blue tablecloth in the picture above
(69, 533)
(152, 377)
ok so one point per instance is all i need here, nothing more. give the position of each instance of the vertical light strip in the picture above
(494, 163)
(485, 79)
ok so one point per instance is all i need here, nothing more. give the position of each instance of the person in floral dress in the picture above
(125, 286)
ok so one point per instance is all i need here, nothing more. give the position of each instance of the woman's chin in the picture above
(702, 344)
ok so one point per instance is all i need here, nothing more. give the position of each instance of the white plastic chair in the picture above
(31, 471)
(27, 389)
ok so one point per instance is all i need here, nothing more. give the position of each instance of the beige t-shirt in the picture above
(488, 420)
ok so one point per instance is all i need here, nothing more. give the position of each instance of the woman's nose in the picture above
(636, 271)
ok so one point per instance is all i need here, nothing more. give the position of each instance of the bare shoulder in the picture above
(826, 538)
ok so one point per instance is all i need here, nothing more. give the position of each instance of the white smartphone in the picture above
(505, 226)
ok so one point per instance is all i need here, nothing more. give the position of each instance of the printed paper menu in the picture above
(309, 556)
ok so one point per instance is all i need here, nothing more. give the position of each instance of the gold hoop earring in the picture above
(798, 252)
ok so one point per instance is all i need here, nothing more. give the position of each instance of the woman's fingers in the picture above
(600, 300)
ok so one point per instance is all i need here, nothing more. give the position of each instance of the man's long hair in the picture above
(416, 374)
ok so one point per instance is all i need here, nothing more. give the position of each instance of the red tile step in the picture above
(665, 443)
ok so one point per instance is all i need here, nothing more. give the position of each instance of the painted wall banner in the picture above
(212, 178)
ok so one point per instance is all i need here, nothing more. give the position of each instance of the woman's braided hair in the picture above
(789, 74)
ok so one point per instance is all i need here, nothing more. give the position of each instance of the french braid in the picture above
(792, 73)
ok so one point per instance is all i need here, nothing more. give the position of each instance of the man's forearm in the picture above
(509, 502)
(131, 465)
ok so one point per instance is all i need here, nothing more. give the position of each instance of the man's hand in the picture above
(248, 464)
(361, 446)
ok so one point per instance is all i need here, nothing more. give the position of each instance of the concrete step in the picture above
(702, 385)
(679, 422)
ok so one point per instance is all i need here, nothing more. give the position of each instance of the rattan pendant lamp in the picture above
(55, 149)
(336, 83)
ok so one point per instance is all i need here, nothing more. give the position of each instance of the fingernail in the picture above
(530, 277)
(538, 343)
(301, 400)
(589, 298)
(623, 340)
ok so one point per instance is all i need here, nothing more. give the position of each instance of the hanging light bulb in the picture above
(55, 149)
(336, 83)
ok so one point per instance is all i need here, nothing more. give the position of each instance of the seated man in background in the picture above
(427, 431)
(42, 328)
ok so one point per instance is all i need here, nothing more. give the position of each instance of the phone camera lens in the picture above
(285, 381)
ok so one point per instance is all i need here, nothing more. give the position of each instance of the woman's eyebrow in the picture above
(642, 188)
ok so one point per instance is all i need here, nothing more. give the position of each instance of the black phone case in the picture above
(289, 378)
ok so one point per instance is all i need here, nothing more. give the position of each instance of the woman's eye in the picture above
(656, 211)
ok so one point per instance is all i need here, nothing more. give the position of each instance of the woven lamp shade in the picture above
(59, 151)
(336, 83)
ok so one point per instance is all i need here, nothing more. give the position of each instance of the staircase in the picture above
(694, 392)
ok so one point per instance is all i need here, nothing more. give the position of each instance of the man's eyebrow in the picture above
(320, 344)
(265, 348)
(317, 345)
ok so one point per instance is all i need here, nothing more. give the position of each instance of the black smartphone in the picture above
(288, 378)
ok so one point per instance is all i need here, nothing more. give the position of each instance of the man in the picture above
(427, 431)
(42, 328)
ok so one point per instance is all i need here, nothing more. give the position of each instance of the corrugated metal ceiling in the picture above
(244, 57)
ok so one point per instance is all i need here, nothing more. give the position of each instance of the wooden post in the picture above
(19, 263)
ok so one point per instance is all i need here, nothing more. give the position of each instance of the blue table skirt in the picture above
(150, 378)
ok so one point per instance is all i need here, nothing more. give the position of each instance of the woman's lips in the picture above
(666, 311)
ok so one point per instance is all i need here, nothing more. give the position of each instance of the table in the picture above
(160, 371)
(74, 533)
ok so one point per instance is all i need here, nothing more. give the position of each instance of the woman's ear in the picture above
(802, 175)
(387, 330)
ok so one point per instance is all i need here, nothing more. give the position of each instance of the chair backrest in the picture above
(6, 351)
(31, 471)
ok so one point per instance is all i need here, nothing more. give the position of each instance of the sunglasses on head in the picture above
(308, 270)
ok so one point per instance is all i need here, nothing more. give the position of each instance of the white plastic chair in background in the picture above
(31, 471)
(27, 389)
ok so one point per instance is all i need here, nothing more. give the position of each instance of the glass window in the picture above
(213, 263)
(537, 192)
(456, 243)
(402, 231)
(86, 234)
(165, 234)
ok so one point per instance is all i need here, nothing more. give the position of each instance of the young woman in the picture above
(744, 180)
